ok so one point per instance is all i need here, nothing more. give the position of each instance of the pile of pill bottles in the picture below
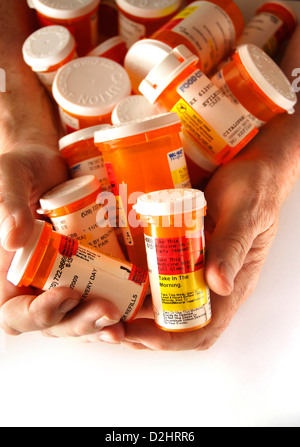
(143, 152)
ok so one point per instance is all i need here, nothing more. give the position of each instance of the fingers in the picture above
(16, 219)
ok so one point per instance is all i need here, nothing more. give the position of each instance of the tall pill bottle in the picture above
(208, 30)
(253, 80)
(79, 16)
(272, 25)
(87, 90)
(132, 108)
(83, 156)
(50, 260)
(178, 85)
(139, 18)
(73, 209)
(48, 49)
(142, 156)
(114, 48)
(173, 222)
(142, 57)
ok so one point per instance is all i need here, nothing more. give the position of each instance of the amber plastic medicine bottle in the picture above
(173, 222)
(79, 16)
(253, 80)
(50, 260)
(178, 85)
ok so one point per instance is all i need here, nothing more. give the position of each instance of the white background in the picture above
(249, 378)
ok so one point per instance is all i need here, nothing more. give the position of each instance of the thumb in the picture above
(227, 250)
(16, 218)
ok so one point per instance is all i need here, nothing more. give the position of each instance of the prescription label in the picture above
(261, 30)
(179, 170)
(181, 297)
(93, 166)
(130, 31)
(209, 115)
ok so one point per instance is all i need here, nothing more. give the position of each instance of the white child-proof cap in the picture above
(142, 57)
(132, 108)
(64, 9)
(91, 86)
(23, 256)
(170, 202)
(68, 193)
(268, 76)
(48, 47)
(81, 135)
(149, 9)
(166, 71)
(137, 127)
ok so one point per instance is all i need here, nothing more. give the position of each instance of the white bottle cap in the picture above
(149, 9)
(132, 108)
(48, 47)
(194, 152)
(170, 202)
(91, 86)
(166, 71)
(142, 57)
(268, 76)
(64, 9)
(23, 256)
(80, 135)
(137, 127)
(106, 46)
(68, 193)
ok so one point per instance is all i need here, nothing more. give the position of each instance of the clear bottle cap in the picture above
(137, 127)
(149, 9)
(64, 9)
(81, 135)
(91, 86)
(132, 108)
(170, 202)
(68, 193)
(166, 71)
(23, 256)
(268, 76)
(48, 47)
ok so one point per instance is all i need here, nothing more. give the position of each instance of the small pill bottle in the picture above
(47, 50)
(79, 16)
(74, 211)
(50, 259)
(132, 108)
(87, 90)
(83, 156)
(139, 19)
(173, 225)
(208, 30)
(142, 57)
(253, 80)
(272, 25)
(113, 48)
(142, 156)
(178, 85)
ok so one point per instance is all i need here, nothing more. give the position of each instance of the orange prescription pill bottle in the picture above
(74, 211)
(114, 48)
(173, 222)
(132, 108)
(273, 24)
(142, 57)
(253, 80)
(48, 49)
(208, 30)
(142, 156)
(139, 19)
(179, 86)
(79, 16)
(87, 90)
(83, 156)
(50, 259)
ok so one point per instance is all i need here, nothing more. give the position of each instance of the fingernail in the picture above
(68, 305)
(6, 228)
(108, 339)
(105, 322)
